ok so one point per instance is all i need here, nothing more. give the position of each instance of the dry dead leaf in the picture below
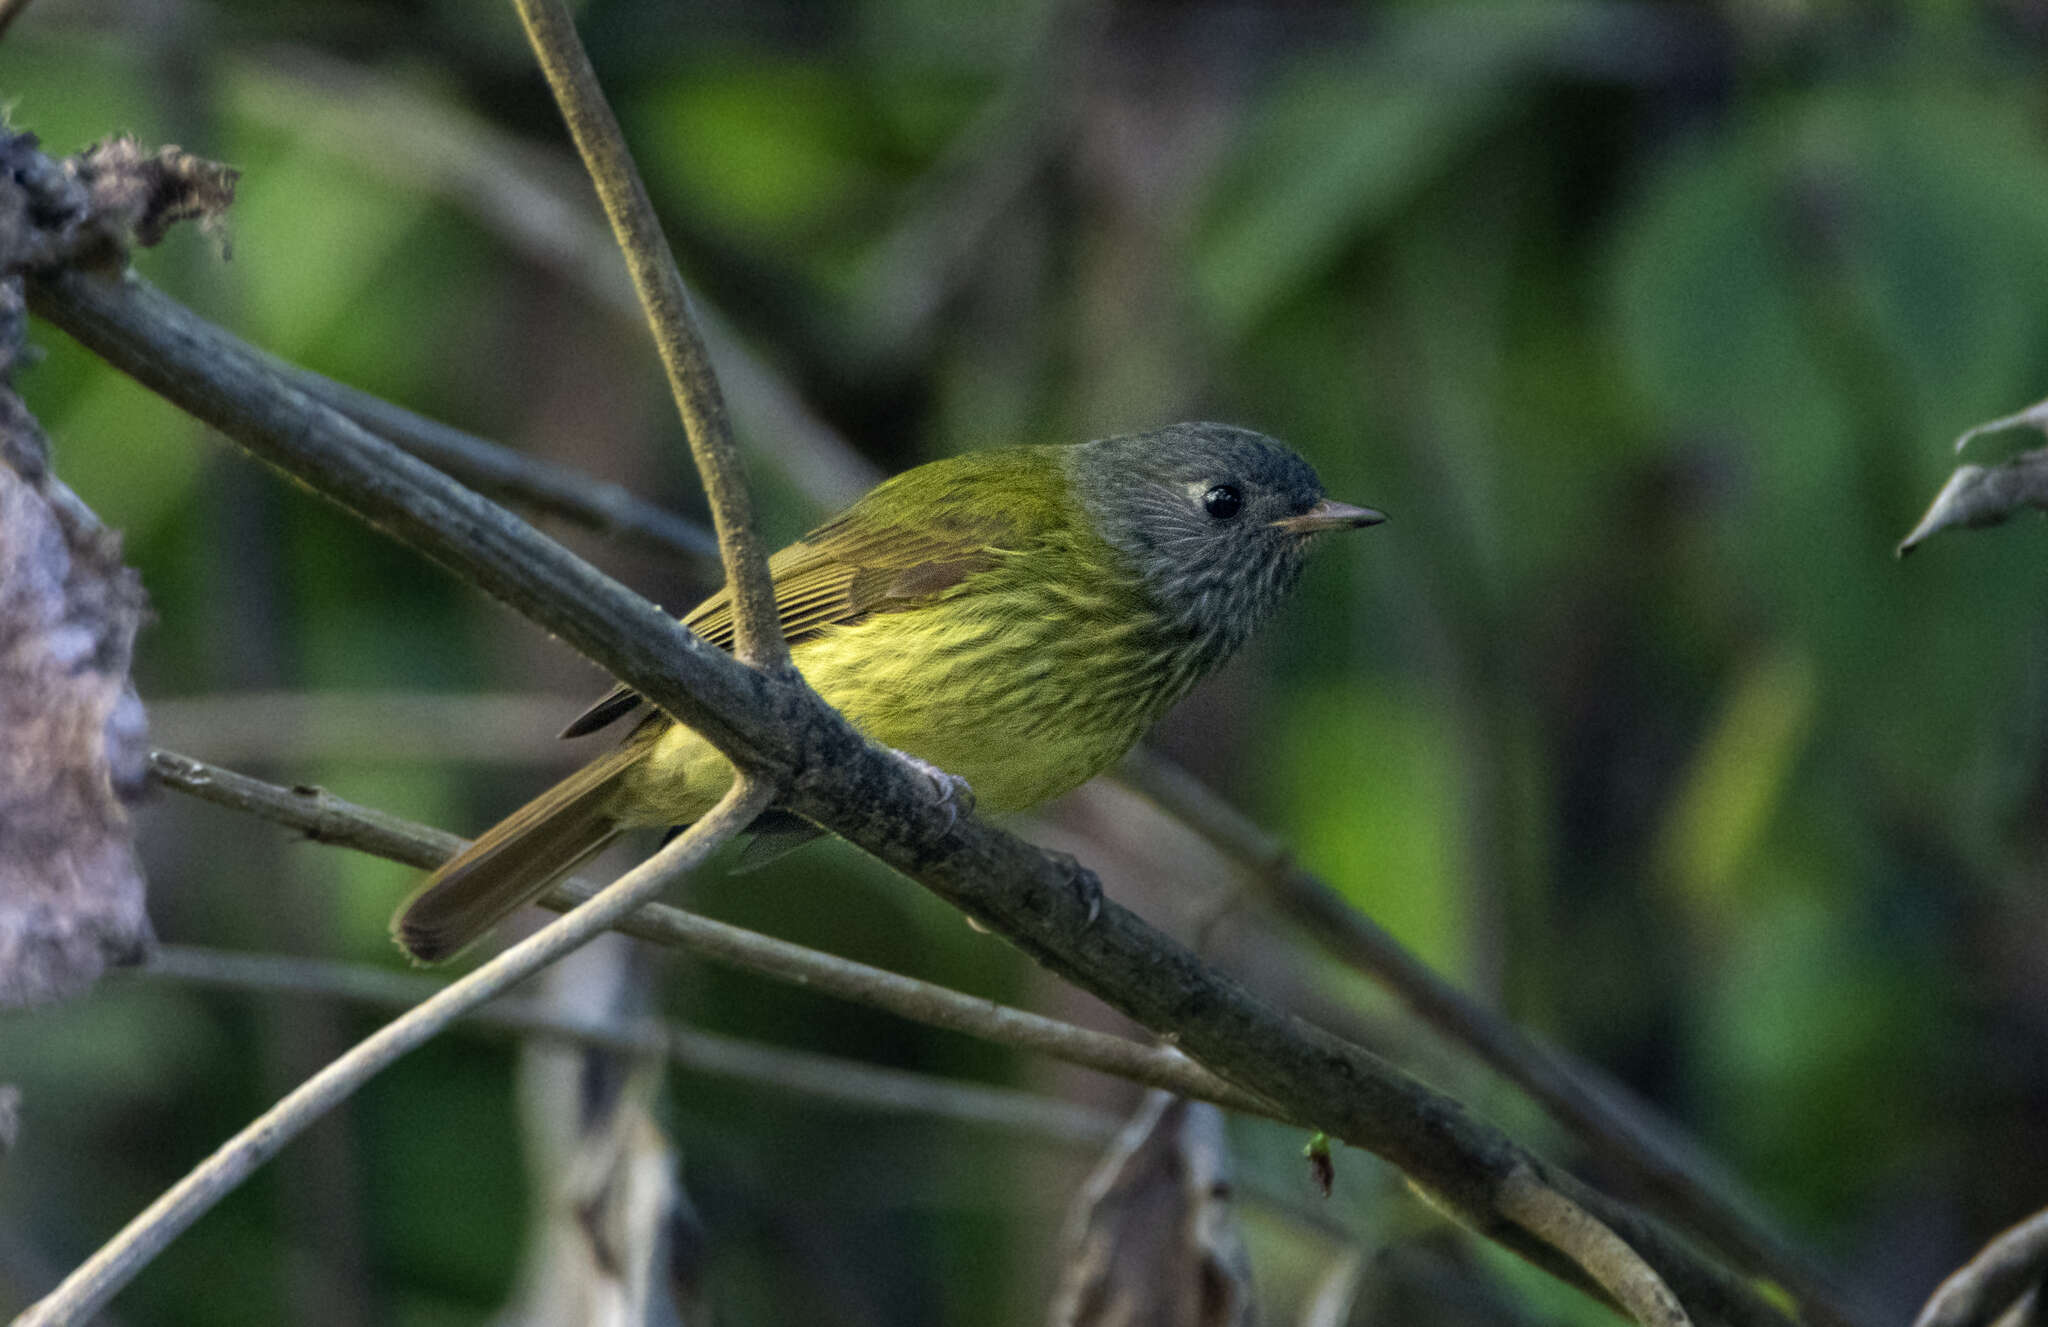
(1153, 1240)
(1979, 495)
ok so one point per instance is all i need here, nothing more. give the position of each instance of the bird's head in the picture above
(1213, 519)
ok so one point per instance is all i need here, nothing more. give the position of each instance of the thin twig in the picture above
(1591, 1243)
(2008, 1268)
(326, 818)
(1674, 1175)
(96, 1280)
(758, 634)
(828, 1078)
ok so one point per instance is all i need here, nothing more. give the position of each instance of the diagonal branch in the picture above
(1672, 1172)
(96, 1280)
(758, 636)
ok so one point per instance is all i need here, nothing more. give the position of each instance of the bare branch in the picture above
(828, 1078)
(2009, 1268)
(328, 819)
(1564, 1225)
(1673, 1174)
(758, 632)
(766, 723)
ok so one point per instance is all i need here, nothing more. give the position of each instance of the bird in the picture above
(1015, 617)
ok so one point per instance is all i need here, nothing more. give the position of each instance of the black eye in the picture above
(1222, 501)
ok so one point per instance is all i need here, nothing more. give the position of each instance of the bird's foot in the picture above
(953, 794)
(1087, 885)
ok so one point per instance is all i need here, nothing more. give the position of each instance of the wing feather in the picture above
(863, 562)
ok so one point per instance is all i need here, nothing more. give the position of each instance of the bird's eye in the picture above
(1222, 501)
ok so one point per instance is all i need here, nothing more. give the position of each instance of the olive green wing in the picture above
(841, 573)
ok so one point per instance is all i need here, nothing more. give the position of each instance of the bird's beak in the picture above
(1329, 514)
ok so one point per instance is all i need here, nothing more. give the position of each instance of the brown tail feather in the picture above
(512, 862)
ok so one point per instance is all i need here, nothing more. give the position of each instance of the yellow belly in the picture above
(1022, 710)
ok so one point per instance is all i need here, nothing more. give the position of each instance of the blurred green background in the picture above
(1649, 324)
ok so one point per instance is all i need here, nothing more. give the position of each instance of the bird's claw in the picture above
(1087, 885)
(954, 795)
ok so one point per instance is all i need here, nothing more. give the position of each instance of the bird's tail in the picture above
(513, 861)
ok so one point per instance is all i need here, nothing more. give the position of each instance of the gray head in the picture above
(1213, 519)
